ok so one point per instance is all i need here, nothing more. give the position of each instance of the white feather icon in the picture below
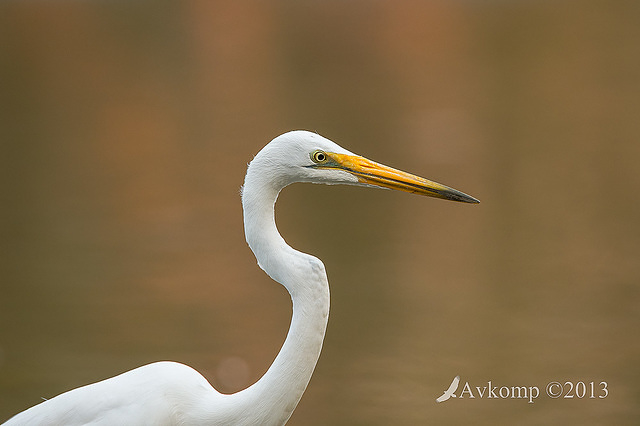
(450, 391)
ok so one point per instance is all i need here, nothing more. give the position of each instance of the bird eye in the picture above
(319, 156)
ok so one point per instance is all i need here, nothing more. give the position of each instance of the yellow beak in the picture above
(372, 173)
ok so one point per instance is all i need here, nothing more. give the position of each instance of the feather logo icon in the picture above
(450, 391)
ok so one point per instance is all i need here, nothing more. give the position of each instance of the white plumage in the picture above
(169, 393)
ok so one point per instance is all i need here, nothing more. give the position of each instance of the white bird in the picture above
(169, 393)
(450, 390)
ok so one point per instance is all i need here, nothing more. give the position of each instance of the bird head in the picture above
(302, 156)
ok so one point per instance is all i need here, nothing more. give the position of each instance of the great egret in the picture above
(168, 393)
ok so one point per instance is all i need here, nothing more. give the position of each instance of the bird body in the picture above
(148, 395)
(170, 393)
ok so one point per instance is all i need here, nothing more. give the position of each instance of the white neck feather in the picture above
(304, 276)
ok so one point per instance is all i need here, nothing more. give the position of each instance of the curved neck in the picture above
(282, 386)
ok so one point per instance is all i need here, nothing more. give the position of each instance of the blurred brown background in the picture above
(125, 130)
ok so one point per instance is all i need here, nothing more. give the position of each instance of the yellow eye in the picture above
(319, 156)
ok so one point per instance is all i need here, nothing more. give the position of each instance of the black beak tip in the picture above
(456, 195)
